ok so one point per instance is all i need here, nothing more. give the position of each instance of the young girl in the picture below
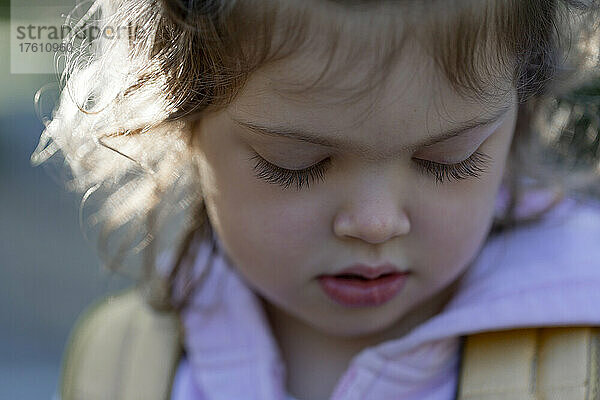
(355, 185)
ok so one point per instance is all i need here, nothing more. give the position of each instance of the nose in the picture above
(374, 219)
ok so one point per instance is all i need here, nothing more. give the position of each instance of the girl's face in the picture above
(368, 198)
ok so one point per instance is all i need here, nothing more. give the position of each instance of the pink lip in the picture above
(369, 272)
(367, 288)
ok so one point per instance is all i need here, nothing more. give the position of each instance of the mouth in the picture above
(360, 277)
(356, 290)
(368, 272)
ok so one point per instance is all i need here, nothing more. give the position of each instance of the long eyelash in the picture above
(286, 177)
(473, 166)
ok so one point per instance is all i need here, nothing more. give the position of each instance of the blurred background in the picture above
(48, 272)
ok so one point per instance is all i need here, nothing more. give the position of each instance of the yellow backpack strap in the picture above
(526, 364)
(121, 349)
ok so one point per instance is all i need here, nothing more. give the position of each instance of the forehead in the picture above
(412, 101)
(365, 73)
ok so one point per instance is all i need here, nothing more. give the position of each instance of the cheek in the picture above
(450, 235)
(451, 228)
(263, 228)
(270, 231)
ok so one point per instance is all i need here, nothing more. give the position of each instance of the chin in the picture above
(366, 323)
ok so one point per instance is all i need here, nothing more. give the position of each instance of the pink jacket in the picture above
(542, 275)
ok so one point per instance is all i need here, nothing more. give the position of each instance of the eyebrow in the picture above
(315, 138)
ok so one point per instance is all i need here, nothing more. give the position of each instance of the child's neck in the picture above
(315, 361)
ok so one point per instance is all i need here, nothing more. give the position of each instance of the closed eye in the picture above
(471, 167)
(285, 177)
